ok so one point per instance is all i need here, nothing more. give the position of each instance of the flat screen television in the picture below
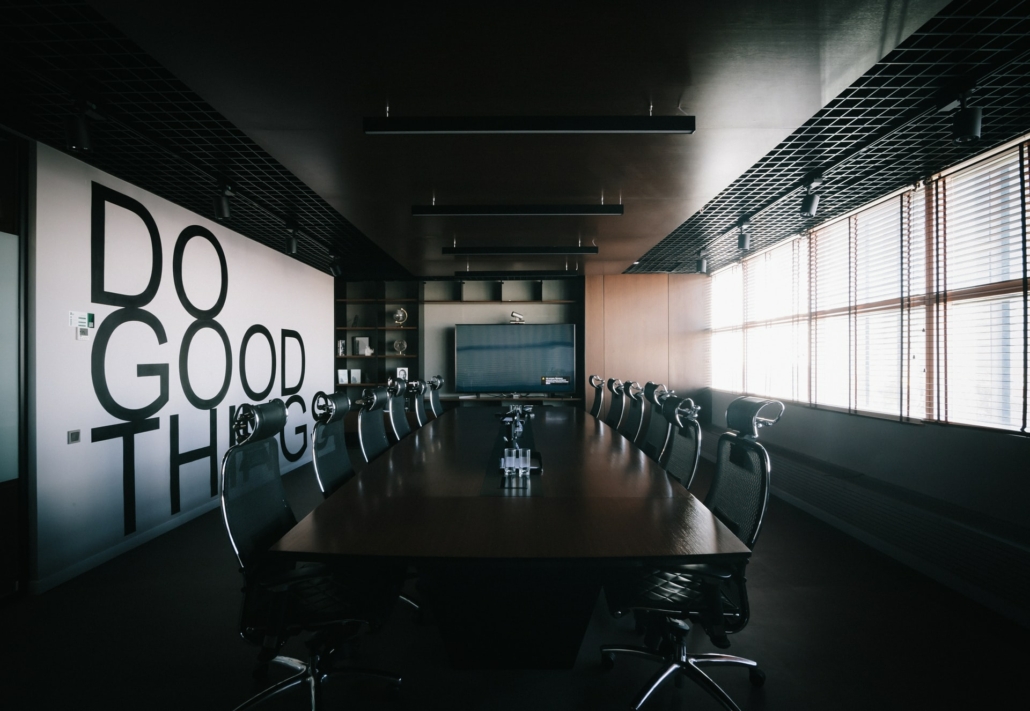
(515, 358)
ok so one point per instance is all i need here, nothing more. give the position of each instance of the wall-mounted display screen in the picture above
(516, 358)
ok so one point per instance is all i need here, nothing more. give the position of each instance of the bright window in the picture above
(914, 307)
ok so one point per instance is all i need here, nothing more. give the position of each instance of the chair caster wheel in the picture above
(607, 661)
(756, 676)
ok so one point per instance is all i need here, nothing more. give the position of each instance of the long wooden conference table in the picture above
(512, 575)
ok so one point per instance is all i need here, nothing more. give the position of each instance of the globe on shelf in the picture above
(400, 347)
(400, 316)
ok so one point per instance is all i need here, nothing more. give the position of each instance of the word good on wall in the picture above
(131, 309)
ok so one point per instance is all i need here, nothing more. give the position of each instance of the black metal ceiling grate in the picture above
(161, 135)
(893, 108)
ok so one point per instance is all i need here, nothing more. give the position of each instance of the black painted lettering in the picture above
(127, 431)
(180, 248)
(301, 430)
(98, 239)
(292, 390)
(256, 395)
(177, 458)
(184, 358)
(98, 364)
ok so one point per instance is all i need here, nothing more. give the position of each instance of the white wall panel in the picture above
(82, 515)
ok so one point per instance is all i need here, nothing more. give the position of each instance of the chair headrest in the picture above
(633, 389)
(615, 385)
(596, 381)
(397, 386)
(416, 387)
(375, 398)
(256, 422)
(435, 382)
(655, 392)
(743, 415)
(329, 408)
(678, 410)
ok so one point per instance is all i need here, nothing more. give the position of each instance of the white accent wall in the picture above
(83, 507)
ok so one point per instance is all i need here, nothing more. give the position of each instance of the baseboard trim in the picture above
(933, 572)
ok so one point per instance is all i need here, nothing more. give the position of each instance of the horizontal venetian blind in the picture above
(830, 299)
(982, 313)
(727, 311)
(914, 307)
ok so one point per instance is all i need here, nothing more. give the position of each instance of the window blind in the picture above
(915, 307)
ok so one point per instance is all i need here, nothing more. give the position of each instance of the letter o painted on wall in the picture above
(180, 249)
(251, 332)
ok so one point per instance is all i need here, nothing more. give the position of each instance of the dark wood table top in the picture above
(600, 499)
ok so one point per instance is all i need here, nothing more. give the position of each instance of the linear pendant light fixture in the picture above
(384, 125)
(517, 251)
(515, 210)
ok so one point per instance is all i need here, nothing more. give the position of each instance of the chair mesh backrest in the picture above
(254, 506)
(598, 384)
(614, 416)
(683, 450)
(656, 434)
(399, 427)
(434, 384)
(740, 488)
(371, 426)
(634, 417)
(329, 455)
(416, 390)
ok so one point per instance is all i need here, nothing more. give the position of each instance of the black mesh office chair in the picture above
(398, 418)
(372, 439)
(618, 404)
(416, 397)
(329, 455)
(683, 448)
(279, 599)
(656, 434)
(597, 383)
(433, 385)
(633, 419)
(713, 596)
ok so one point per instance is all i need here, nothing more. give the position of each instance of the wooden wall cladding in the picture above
(647, 327)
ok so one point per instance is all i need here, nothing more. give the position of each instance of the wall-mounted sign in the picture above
(80, 319)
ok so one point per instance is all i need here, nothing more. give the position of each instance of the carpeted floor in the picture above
(835, 625)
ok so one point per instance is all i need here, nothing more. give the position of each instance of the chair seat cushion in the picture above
(671, 591)
(319, 596)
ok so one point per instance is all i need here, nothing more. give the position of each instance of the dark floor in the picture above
(835, 625)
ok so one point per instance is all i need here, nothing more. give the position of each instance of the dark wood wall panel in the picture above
(648, 327)
(593, 336)
(688, 333)
(636, 327)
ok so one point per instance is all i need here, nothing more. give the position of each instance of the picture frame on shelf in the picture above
(402, 373)
(355, 376)
(341, 376)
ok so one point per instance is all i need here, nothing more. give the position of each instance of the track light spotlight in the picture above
(221, 201)
(222, 211)
(77, 133)
(744, 239)
(810, 205)
(702, 265)
(291, 245)
(965, 124)
(335, 268)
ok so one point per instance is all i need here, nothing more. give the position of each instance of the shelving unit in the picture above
(434, 307)
(446, 302)
(372, 304)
